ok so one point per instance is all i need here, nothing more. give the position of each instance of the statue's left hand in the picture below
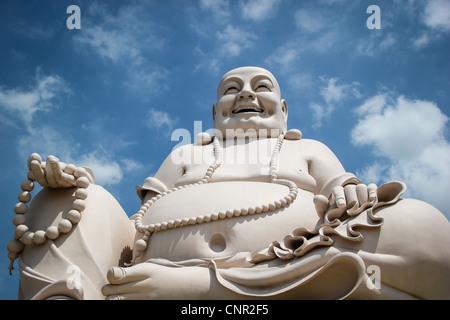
(358, 194)
(56, 174)
(149, 281)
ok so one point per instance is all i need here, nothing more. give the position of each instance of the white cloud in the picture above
(321, 31)
(107, 171)
(128, 35)
(408, 136)
(259, 9)
(400, 131)
(437, 14)
(310, 21)
(372, 105)
(234, 39)
(421, 41)
(376, 43)
(146, 80)
(108, 168)
(284, 57)
(301, 81)
(320, 113)
(157, 119)
(41, 96)
(333, 92)
(219, 8)
(126, 39)
(46, 138)
(34, 30)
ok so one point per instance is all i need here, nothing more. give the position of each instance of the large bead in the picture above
(74, 216)
(39, 237)
(79, 205)
(27, 185)
(21, 208)
(82, 182)
(81, 194)
(24, 196)
(15, 246)
(18, 219)
(203, 138)
(140, 245)
(52, 232)
(293, 134)
(64, 226)
(27, 237)
(20, 230)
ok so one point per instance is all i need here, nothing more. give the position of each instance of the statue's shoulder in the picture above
(312, 150)
(307, 144)
(181, 147)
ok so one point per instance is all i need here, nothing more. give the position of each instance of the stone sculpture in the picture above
(252, 211)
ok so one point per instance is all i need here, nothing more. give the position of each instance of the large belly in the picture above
(227, 236)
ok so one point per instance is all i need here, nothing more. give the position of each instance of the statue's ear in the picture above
(284, 108)
(285, 111)
(214, 111)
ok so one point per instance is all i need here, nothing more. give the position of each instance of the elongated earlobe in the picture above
(284, 107)
(214, 111)
(285, 111)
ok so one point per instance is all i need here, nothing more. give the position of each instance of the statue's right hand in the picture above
(56, 174)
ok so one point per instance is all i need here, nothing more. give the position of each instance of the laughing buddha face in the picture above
(249, 98)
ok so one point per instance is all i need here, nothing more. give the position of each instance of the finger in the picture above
(125, 289)
(82, 172)
(321, 203)
(90, 174)
(61, 178)
(350, 195)
(339, 196)
(34, 156)
(362, 193)
(372, 191)
(38, 173)
(69, 169)
(119, 275)
(51, 160)
(55, 168)
(128, 296)
(68, 179)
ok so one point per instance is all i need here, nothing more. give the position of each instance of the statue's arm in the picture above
(335, 186)
(165, 178)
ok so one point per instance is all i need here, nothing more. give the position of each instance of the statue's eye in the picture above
(231, 90)
(262, 88)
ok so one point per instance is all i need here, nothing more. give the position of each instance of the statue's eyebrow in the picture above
(231, 79)
(262, 77)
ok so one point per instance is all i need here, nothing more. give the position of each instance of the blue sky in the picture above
(109, 95)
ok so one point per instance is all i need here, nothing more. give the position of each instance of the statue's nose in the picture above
(246, 94)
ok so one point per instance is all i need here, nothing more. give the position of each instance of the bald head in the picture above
(249, 98)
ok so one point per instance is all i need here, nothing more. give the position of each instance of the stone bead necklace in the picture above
(24, 236)
(148, 230)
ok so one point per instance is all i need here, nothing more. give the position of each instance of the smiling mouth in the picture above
(246, 109)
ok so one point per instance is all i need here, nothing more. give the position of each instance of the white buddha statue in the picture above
(252, 211)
